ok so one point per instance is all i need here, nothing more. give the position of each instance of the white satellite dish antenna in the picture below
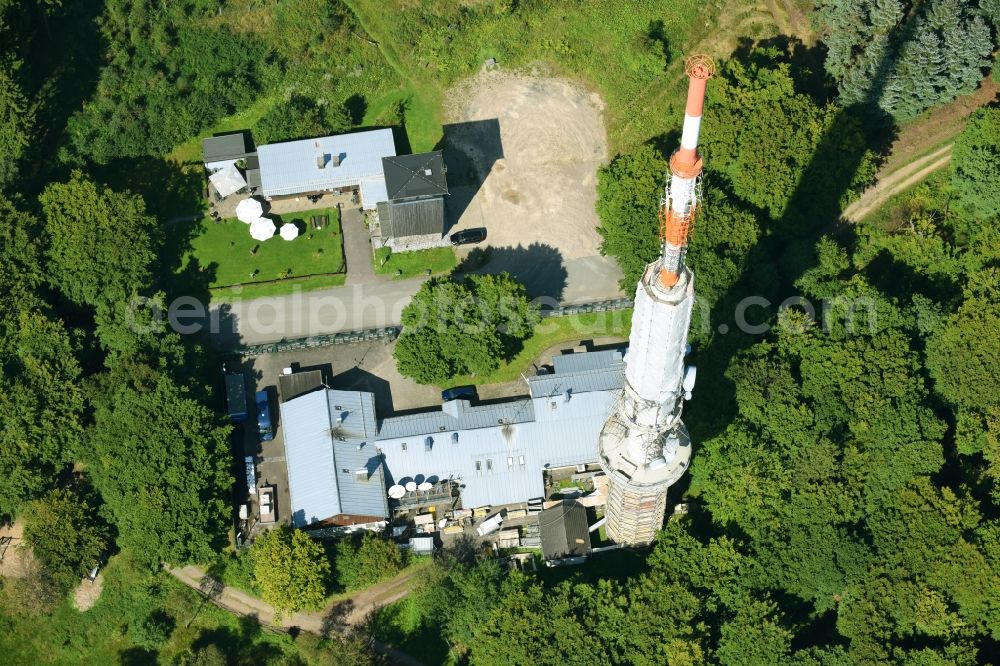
(397, 491)
(425, 486)
(410, 486)
(690, 374)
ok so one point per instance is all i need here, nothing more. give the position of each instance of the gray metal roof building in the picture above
(225, 148)
(418, 217)
(495, 453)
(324, 163)
(333, 466)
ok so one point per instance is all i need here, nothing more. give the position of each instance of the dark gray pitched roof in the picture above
(225, 147)
(564, 531)
(412, 218)
(419, 175)
(299, 383)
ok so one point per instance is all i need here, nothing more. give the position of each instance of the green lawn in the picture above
(219, 254)
(552, 331)
(437, 259)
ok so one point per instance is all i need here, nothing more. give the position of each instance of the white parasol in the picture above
(249, 210)
(262, 228)
(289, 231)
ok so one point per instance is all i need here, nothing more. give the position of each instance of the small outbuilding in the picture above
(225, 150)
(414, 212)
(564, 531)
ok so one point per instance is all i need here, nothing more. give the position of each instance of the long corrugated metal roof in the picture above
(415, 218)
(556, 386)
(360, 494)
(462, 416)
(312, 479)
(565, 363)
(324, 456)
(292, 167)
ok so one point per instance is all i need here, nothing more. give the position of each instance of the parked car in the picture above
(264, 427)
(468, 236)
(467, 392)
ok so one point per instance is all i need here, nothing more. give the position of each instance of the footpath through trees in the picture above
(340, 614)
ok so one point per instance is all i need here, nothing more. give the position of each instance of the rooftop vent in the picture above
(428, 443)
(428, 172)
(335, 160)
(454, 438)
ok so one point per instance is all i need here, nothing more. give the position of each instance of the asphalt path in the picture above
(303, 314)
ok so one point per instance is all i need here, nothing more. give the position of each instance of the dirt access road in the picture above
(935, 131)
(897, 181)
(341, 613)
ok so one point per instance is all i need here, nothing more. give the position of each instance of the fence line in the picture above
(392, 332)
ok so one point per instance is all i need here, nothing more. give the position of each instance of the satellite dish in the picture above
(425, 486)
(690, 373)
(410, 486)
(397, 491)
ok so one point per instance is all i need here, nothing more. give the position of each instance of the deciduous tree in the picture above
(66, 534)
(101, 244)
(161, 461)
(290, 569)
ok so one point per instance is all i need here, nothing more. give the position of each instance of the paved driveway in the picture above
(357, 248)
(303, 314)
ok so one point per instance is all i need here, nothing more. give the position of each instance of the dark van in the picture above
(467, 392)
(264, 427)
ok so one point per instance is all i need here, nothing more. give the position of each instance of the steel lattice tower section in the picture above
(644, 447)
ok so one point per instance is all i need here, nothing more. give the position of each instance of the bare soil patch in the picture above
(17, 558)
(88, 592)
(539, 184)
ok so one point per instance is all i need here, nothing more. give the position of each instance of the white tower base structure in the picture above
(644, 447)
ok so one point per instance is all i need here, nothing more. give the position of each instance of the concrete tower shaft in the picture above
(644, 447)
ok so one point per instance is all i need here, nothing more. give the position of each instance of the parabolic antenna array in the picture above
(644, 447)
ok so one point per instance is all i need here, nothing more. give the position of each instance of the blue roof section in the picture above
(328, 441)
(291, 167)
(457, 415)
(312, 479)
(496, 453)
(581, 362)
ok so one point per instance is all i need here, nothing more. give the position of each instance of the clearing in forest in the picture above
(524, 153)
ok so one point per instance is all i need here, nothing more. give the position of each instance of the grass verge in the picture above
(436, 259)
(552, 331)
